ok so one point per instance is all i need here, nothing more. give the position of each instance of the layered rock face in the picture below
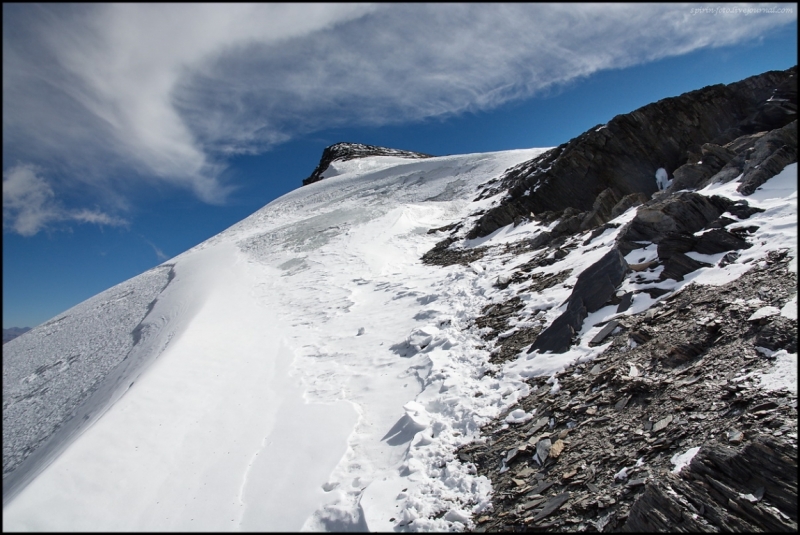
(349, 151)
(707, 129)
(595, 286)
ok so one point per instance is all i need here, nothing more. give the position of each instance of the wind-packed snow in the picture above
(74, 366)
(313, 374)
(318, 376)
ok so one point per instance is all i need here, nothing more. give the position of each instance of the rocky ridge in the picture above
(693, 137)
(349, 151)
(598, 452)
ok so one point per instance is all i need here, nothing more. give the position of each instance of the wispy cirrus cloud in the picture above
(91, 85)
(406, 62)
(171, 90)
(29, 204)
(157, 250)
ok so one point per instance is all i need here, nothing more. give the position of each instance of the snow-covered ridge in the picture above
(321, 294)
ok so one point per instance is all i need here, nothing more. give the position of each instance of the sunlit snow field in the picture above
(308, 372)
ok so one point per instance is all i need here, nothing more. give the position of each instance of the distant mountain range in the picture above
(12, 332)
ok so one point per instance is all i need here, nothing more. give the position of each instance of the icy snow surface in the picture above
(315, 375)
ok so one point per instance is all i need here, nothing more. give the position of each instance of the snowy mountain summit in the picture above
(600, 335)
(342, 152)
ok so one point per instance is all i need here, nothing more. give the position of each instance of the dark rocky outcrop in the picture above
(628, 201)
(443, 255)
(682, 213)
(758, 157)
(349, 151)
(595, 286)
(719, 241)
(728, 487)
(601, 209)
(679, 264)
(671, 223)
(624, 154)
(779, 109)
(771, 154)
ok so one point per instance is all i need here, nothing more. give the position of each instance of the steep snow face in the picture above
(311, 373)
(59, 378)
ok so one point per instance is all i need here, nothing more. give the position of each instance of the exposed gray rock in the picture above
(771, 154)
(633, 199)
(679, 265)
(637, 407)
(758, 157)
(779, 109)
(721, 483)
(684, 212)
(604, 332)
(601, 209)
(541, 240)
(443, 255)
(744, 143)
(594, 287)
(625, 153)
(712, 159)
(552, 505)
(715, 156)
(691, 175)
(349, 151)
(777, 333)
(674, 244)
(683, 373)
(719, 241)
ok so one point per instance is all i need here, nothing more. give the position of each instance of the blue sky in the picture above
(132, 132)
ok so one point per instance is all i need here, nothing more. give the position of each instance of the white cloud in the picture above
(159, 253)
(29, 204)
(406, 62)
(89, 83)
(170, 90)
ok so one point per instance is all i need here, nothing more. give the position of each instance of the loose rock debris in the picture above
(597, 454)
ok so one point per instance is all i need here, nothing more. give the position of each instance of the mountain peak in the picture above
(344, 151)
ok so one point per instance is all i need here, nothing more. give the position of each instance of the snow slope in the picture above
(265, 408)
(306, 371)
